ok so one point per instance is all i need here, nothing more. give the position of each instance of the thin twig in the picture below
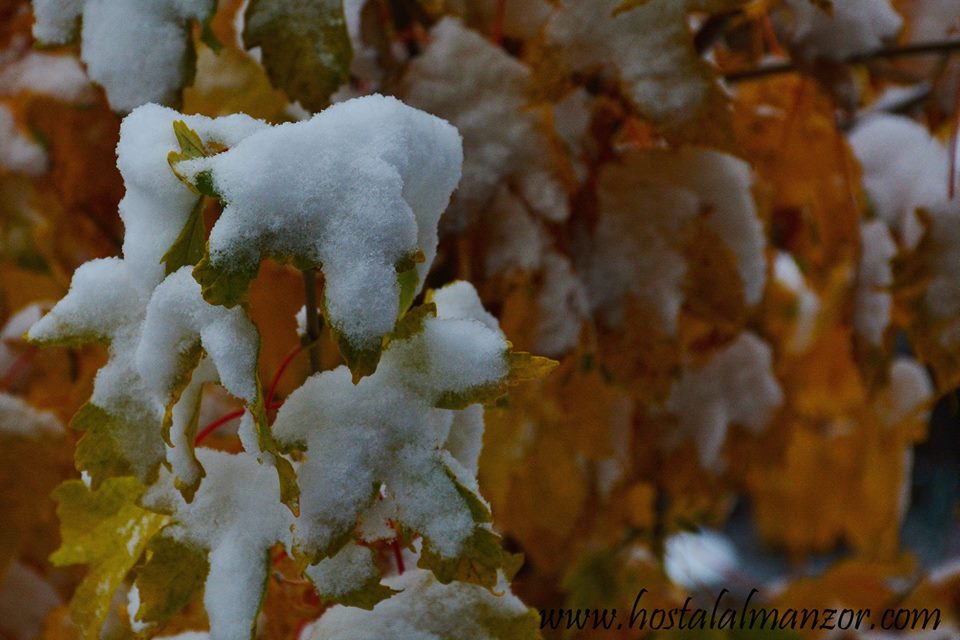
(887, 53)
(313, 319)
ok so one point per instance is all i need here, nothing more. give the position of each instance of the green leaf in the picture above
(479, 510)
(226, 285)
(172, 574)
(108, 531)
(114, 445)
(189, 246)
(306, 47)
(521, 367)
(477, 563)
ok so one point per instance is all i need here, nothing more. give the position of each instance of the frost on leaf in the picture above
(429, 610)
(482, 90)
(234, 519)
(108, 531)
(649, 45)
(305, 46)
(375, 451)
(139, 52)
(737, 386)
(357, 191)
(647, 204)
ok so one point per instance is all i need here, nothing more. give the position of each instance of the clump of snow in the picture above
(156, 204)
(521, 19)
(17, 151)
(737, 386)
(104, 304)
(178, 320)
(478, 87)
(338, 575)
(138, 51)
(645, 202)
(853, 26)
(904, 168)
(787, 273)
(20, 419)
(59, 76)
(237, 516)
(11, 337)
(563, 304)
(874, 303)
(385, 431)
(427, 610)
(517, 240)
(358, 188)
(907, 394)
(698, 560)
(649, 46)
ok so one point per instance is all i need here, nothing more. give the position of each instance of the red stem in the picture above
(398, 555)
(280, 371)
(224, 419)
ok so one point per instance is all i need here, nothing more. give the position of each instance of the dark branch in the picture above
(944, 47)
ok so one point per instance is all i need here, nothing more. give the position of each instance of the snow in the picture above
(357, 188)
(20, 419)
(156, 204)
(563, 304)
(17, 151)
(385, 431)
(660, 69)
(737, 386)
(645, 202)
(698, 560)
(873, 302)
(855, 26)
(480, 89)
(787, 273)
(904, 168)
(11, 337)
(347, 571)
(178, 319)
(58, 76)
(517, 240)
(104, 305)
(114, 35)
(237, 516)
(425, 610)
(907, 395)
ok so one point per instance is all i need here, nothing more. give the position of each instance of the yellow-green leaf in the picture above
(108, 531)
(168, 580)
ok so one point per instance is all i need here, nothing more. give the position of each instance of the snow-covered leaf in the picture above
(356, 191)
(647, 45)
(429, 610)
(234, 519)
